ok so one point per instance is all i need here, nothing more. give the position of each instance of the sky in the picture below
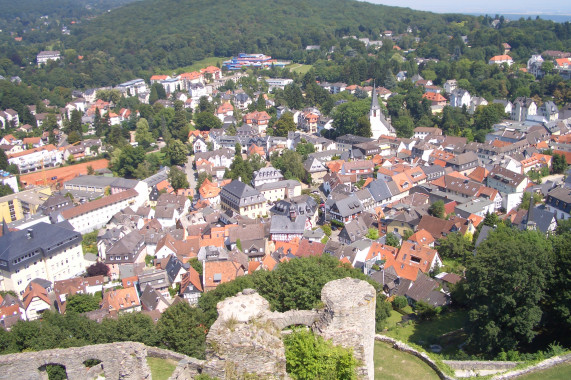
(484, 6)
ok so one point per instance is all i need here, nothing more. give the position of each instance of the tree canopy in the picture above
(506, 284)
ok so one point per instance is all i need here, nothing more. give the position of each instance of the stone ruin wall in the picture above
(125, 361)
(246, 339)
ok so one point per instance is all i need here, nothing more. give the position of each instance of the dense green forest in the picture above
(143, 37)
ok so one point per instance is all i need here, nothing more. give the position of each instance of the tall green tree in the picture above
(284, 125)
(559, 164)
(455, 246)
(437, 209)
(176, 153)
(346, 115)
(82, 303)
(142, 135)
(180, 125)
(506, 285)
(206, 121)
(183, 329)
(177, 178)
(128, 161)
(364, 126)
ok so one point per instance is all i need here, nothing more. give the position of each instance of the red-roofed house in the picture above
(121, 301)
(190, 286)
(213, 71)
(35, 300)
(309, 248)
(423, 238)
(501, 59)
(435, 98)
(219, 272)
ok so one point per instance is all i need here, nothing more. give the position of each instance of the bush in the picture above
(311, 357)
(400, 302)
(425, 311)
(98, 269)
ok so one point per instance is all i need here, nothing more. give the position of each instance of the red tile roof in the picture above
(98, 203)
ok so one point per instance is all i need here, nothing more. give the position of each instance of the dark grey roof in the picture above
(242, 194)
(484, 232)
(157, 177)
(433, 169)
(424, 289)
(150, 298)
(380, 190)
(91, 180)
(349, 206)
(282, 224)
(173, 267)
(18, 248)
(354, 230)
(300, 205)
(541, 217)
(129, 245)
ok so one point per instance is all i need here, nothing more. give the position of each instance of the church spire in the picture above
(375, 107)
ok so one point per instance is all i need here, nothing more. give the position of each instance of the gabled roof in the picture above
(246, 194)
(120, 299)
(440, 227)
(190, 278)
(219, 272)
(309, 248)
(421, 237)
(33, 291)
(98, 203)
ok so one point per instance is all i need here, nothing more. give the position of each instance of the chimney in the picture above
(30, 233)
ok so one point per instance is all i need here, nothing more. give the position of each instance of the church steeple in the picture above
(379, 124)
(375, 107)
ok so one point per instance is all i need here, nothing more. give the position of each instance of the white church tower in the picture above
(379, 124)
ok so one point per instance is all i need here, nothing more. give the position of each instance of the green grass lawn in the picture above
(161, 369)
(430, 332)
(452, 266)
(392, 321)
(560, 372)
(391, 364)
(299, 68)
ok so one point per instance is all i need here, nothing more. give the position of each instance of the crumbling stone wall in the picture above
(473, 368)
(246, 337)
(349, 319)
(243, 340)
(125, 361)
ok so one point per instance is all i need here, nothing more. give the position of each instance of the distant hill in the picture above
(152, 34)
(30, 9)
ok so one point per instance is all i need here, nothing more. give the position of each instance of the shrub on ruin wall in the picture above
(309, 356)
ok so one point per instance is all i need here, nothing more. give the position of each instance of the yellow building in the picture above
(243, 199)
(25, 203)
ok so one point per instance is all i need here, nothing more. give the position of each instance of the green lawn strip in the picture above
(394, 318)
(393, 364)
(559, 372)
(161, 369)
(298, 68)
(425, 333)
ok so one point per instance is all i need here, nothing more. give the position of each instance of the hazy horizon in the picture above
(551, 7)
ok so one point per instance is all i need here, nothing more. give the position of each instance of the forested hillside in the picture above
(144, 37)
